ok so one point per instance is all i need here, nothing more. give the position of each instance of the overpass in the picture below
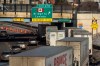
(11, 31)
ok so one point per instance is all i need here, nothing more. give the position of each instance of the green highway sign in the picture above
(42, 12)
(64, 20)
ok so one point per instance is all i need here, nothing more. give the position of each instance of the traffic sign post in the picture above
(42, 13)
(94, 26)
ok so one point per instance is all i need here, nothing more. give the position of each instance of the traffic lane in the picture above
(4, 64)
(95, 59)
(95, 64)
(5, 46)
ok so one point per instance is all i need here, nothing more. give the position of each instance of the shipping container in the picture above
(55, 35)
(44, 56)
(80, 46)
(68, 31)
(84, 33)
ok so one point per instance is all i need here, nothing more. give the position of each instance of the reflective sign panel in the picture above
(18, 19)
(41, 19)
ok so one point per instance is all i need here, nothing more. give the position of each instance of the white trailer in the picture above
(44, 56)
(55, 35)
(84, 33)
(68, 31)
(48, 30)
(80, 46)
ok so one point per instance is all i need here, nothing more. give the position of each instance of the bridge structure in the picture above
(10, 31)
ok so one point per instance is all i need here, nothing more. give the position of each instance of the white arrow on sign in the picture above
(49, 12)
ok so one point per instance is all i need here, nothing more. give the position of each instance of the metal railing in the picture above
(27, 8)
(16, 7)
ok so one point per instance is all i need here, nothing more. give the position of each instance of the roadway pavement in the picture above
(5, 46)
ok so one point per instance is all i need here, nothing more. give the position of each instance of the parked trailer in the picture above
(42, 32)
(55, 35)
(44, 56)
(84, 33)
(48, 30)
(80, 45)
(68, 31)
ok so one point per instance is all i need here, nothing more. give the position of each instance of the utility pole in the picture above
(61, 7)
(74, 13)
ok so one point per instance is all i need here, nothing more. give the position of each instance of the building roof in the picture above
(73, 39)
(44, 51)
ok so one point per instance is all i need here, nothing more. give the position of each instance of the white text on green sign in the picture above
(64, 20)
(42, 11)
